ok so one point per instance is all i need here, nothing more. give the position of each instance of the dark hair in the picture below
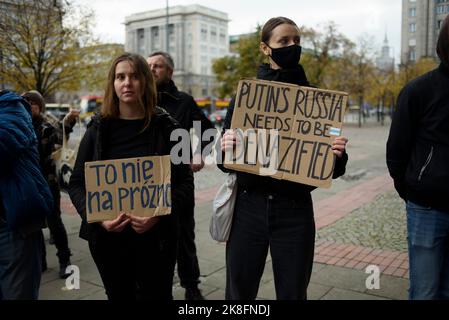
(443, 43)
(148, 98)
(34, 96)
(271, 24)
(168, 59)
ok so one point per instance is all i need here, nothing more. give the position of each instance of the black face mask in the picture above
(286, 57)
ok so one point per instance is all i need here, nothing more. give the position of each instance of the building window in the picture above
(439, 24)
(141, 41)
(213, 34)
(155, 40)
(412, 54)
(412, 12)
(440, 9)
(412, 27)
(171, 29)
(203, 32)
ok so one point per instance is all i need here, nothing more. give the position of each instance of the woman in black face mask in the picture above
(269, 213)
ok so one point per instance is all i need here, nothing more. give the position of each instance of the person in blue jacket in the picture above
(25, 201)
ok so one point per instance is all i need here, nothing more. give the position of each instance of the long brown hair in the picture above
(443, 43)
(148, 99)
(271, 24)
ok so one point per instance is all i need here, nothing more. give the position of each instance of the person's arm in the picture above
(77, 186)
(69, 122)
(226, 126)
(402, 138)
(181, 179)
(197, 115)
(340, 165)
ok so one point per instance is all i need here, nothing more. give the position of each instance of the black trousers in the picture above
(283, 224)
(188, 267)
(136, 266)
(57, 229)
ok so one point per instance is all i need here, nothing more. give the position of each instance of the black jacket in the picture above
(91, 149)
(418, 144)
(183, 108)
(265, 184)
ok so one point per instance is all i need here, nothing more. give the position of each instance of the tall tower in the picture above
(385, 61)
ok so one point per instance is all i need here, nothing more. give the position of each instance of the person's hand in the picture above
(197, 163)
(228, 141)
(116, 225)
(72, 115)
(339, 146)
(143, 224)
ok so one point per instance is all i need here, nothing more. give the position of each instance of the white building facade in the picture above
(196, 37)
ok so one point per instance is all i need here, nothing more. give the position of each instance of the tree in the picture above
(323, 48)
(41, 44)
(98, 59)
(229, 70)
(227, 77)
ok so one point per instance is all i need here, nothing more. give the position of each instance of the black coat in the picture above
(418, 144)
(91, 149)
(183, 108)
(247, 181)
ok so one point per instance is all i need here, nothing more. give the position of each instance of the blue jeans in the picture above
(428, 242)
(20, 264)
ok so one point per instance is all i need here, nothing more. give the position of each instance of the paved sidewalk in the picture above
(343, 248)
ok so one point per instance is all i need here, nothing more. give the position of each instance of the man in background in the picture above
(184, 109)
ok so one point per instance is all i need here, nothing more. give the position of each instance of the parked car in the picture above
(217, 118)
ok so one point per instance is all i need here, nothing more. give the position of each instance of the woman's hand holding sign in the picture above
(228, 141)
(143, 224)
(339, 146)
(116, 225)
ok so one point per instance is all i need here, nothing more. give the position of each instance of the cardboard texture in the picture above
(140, 186)
(286, 131)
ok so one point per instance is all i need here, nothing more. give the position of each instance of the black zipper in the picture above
(429, 158)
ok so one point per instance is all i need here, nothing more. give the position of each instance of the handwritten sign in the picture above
(286, 131)
(140, 186)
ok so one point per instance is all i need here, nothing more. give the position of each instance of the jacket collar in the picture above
(168, 89)
(294, 76)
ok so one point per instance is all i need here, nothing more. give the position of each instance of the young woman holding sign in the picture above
(135, 256)
(270, 213)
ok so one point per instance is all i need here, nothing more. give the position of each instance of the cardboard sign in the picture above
(140, 186)
(286, 131)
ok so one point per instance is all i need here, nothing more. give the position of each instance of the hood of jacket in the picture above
(11, 97)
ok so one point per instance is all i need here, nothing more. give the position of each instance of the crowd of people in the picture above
(136, 256)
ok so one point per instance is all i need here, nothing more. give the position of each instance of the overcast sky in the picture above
(354, 18)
